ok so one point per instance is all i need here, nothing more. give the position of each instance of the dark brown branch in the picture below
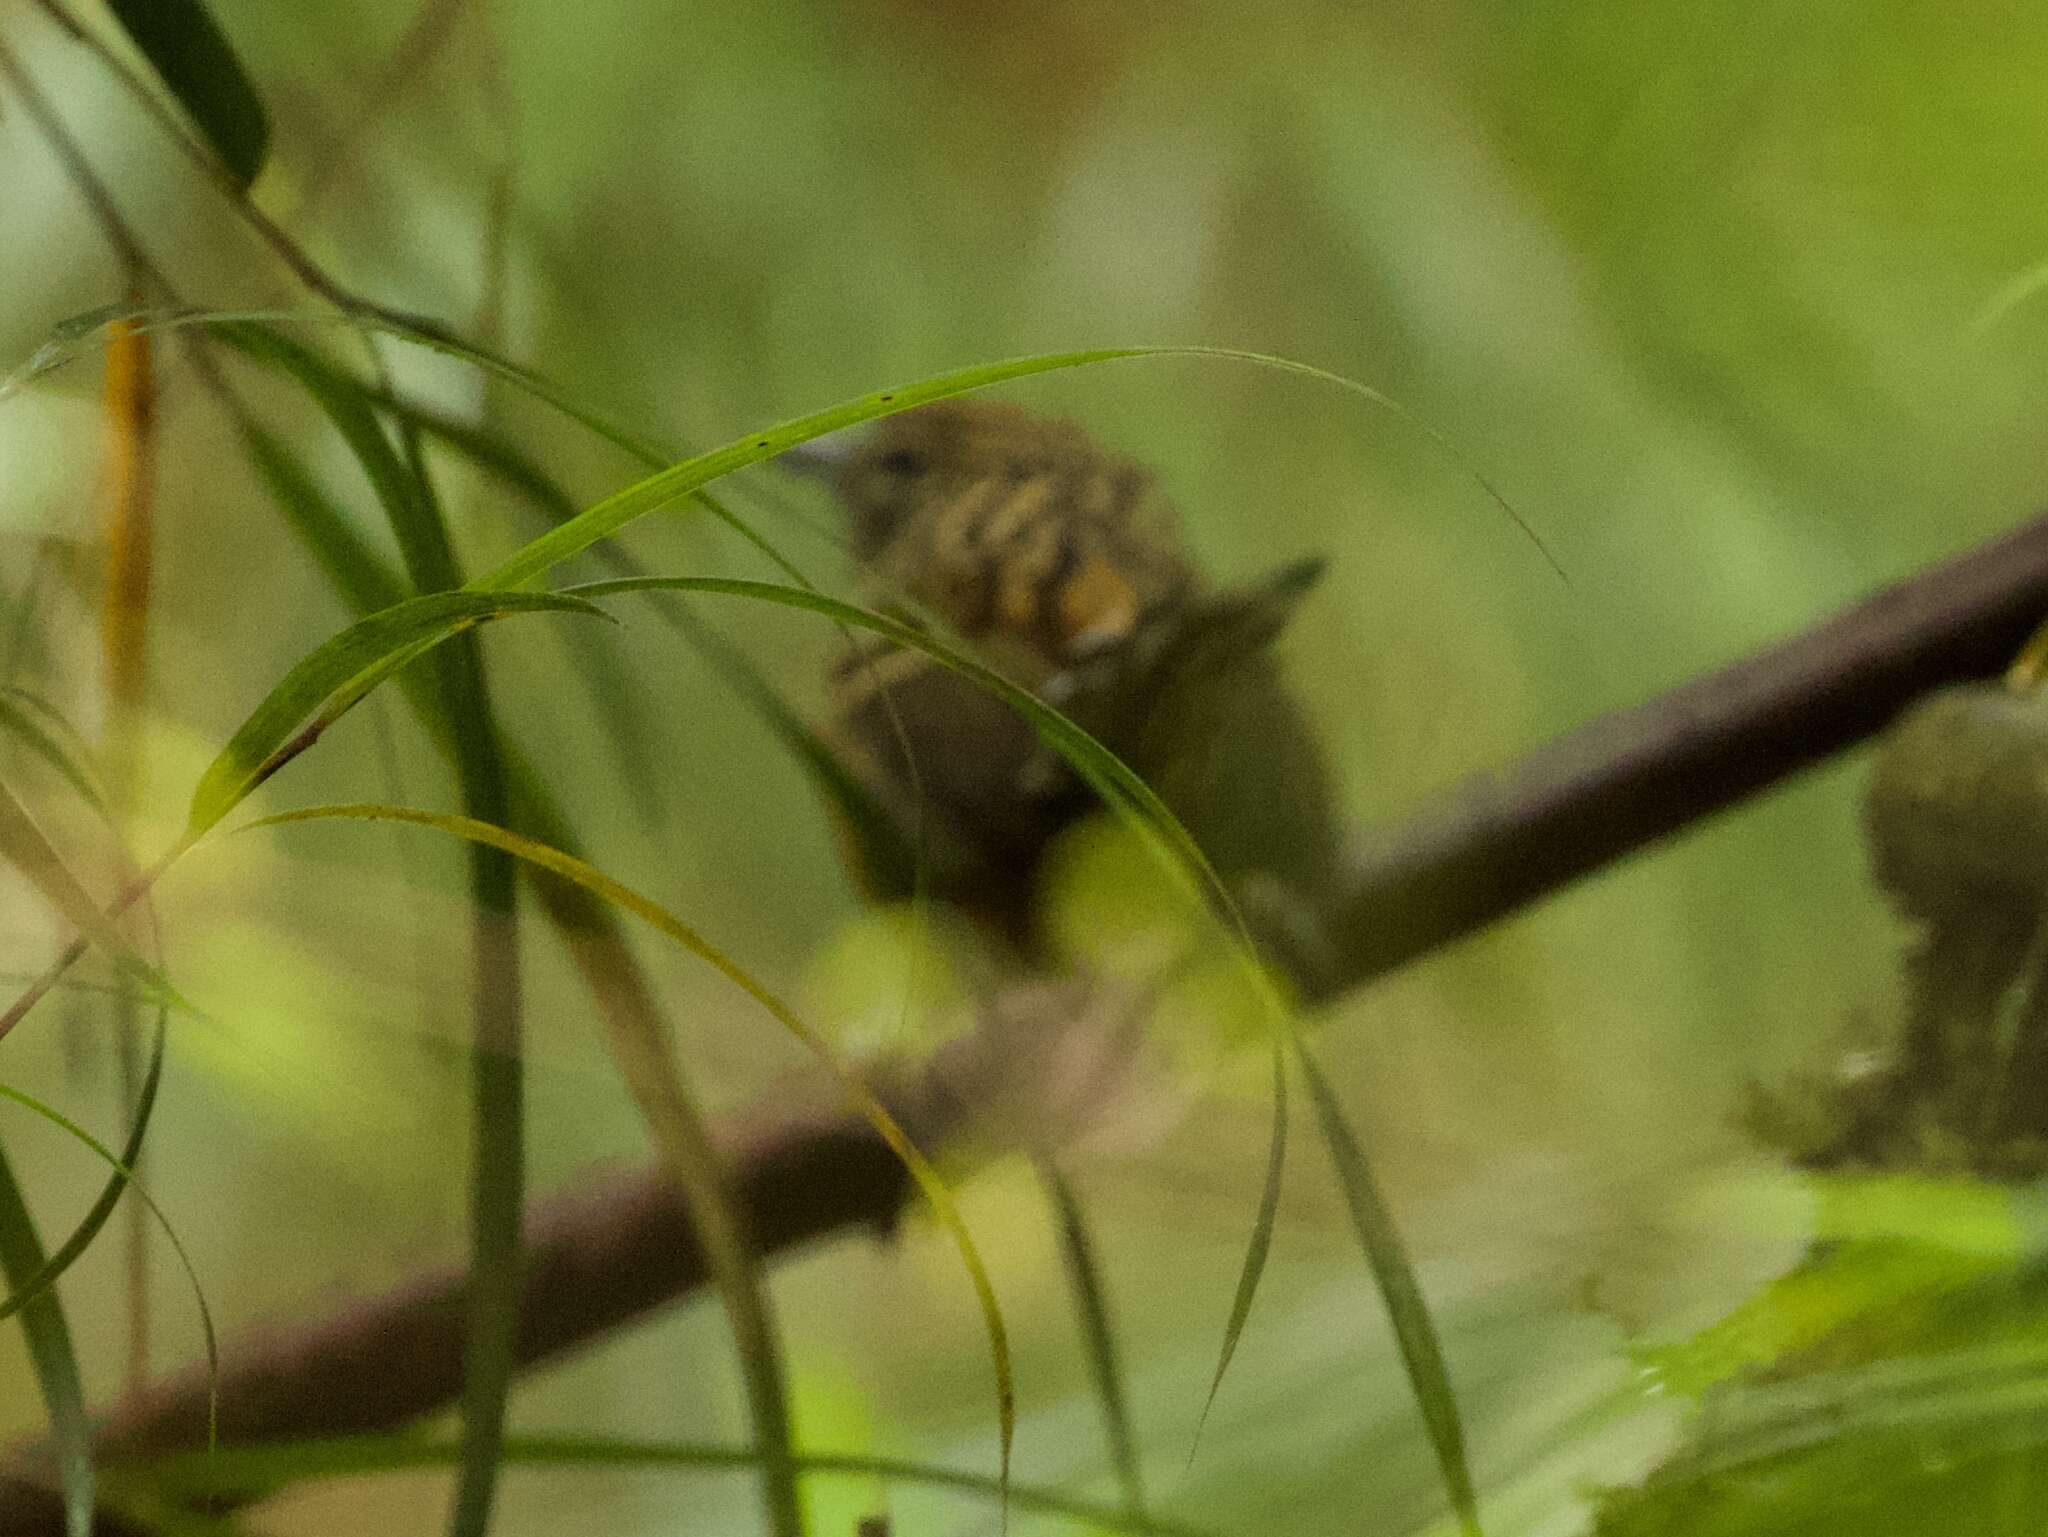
(1503, 840)
(604, 1257)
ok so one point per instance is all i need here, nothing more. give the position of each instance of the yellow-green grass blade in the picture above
(650, 1070)
(337, 675)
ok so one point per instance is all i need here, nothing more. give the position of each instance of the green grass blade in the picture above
(71, 336)
(24, 844)
(497, 1064)
(400, 490)
(334, 677)
(50, 1352)
(341, 550)
(10, 1229)
(262, 1469)
(684, 1140)
(457, 718)
(24, 1292)
(192, 57)
(1098, 1332)
(1256, 1250)
(18, 709)
(621, 508)
(1124, 790)
(1414, 1332)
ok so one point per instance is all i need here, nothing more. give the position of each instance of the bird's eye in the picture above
(904, 463)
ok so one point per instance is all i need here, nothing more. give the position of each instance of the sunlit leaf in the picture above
(334, 677)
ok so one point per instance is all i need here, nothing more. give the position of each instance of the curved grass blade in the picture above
(1165, 835)
(254, 1470)
(344, 555)
(192, 57)
(607, 517)
(69, 336)
(887, 850)
(1098, 1332)
(650, 1069)
(1256, 1250)
(1107, 773)
(50, 1352)
(334, 677)
(400, 490)
(18, 708)
(24, 1292)
(24, 843)
(126, 1173)
(402, 487)
(1421, 1352)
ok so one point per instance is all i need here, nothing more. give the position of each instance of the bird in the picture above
(1060, 564)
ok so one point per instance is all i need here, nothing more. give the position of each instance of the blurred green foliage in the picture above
(1734, 304)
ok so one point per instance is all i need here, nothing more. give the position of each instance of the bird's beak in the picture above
(821, 458)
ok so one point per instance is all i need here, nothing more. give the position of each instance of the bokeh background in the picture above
(1735, 304)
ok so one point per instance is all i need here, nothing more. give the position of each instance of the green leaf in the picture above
(1098, 1333)
(1414, 1332)
(25, 1292)
(1256, 1249)
(49, 1348)
(647, 1063)
(21, 1257)
(193, 59)
(333, 678)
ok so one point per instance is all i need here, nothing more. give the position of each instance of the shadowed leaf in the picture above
(192, 57)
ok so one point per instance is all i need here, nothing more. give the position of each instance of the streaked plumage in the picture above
(1061, 564)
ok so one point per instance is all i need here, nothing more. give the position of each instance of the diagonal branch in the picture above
(605, 1256)
(1505, 839)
